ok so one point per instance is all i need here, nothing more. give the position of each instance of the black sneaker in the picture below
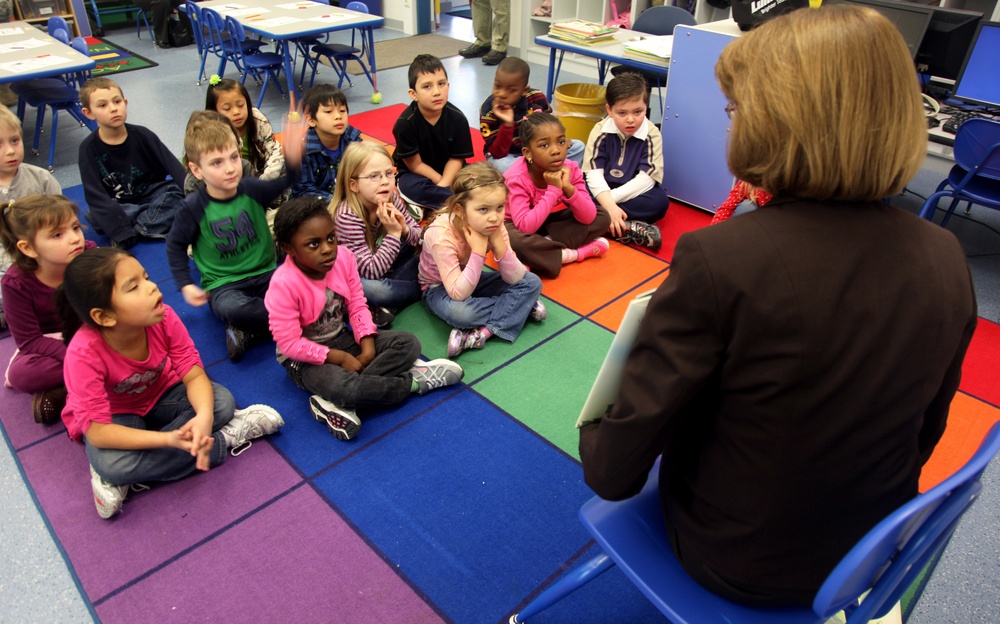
(493, 57)
(343, 423)
(382, 317)
(474, 50)
(237, 341)
(643, 234)
(126, 243)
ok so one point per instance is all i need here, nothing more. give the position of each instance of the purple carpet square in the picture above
(295, 560)
(154, 526)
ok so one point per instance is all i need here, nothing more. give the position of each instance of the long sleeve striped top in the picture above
(351, 234)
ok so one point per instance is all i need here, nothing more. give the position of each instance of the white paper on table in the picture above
(26, 44)
(226, 8)
(330, 19)
(291, 6)
(254, 11)
(33, 64)
(275, 21)
(16, 30)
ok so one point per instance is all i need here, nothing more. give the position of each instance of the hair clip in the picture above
(473, 176)
(6, 209)
(214, 79)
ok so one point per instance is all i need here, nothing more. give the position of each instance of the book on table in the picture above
(655, 48)
(582, 31)
(604, 392)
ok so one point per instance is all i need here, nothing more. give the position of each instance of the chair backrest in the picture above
(360, 7)
(194, 14)
(661, 20)
(55, 22)
(978, 142)
(60, 35)
(80, 45)
(215, 29)
(890, 556)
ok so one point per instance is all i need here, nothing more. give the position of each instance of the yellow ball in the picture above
(376, 98)
(293, 116)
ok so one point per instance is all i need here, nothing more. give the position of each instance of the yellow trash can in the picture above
(579, 106)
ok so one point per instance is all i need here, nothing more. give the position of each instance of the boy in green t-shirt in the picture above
(225, 225)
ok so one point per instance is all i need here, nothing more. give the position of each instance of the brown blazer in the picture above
(795, 371)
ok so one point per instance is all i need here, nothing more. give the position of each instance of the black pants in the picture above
(162, 10)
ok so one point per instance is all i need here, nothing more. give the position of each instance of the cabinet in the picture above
(39, 12)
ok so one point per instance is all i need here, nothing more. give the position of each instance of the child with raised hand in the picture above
(326, 339)
(138, 393)
(225, 224)
(476, 303)
(259, 147)
(623, 164)
(329, 135)
(373, 223)
(192, 183)
(42, 233)
(543, 235)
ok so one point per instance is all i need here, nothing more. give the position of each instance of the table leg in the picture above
(602, 71)
(286, 53)
(550, 84)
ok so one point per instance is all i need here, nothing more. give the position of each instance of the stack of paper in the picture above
(582, 31)
(650, 48)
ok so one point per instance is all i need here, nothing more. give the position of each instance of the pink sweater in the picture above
(293, 301)
(102, 382)
(447, 259)
(529, 206)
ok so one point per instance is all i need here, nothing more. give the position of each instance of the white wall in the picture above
(400, 15)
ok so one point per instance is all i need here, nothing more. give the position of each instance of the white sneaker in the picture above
(436, 374)
(249, 424)
(108, 498)
(343, 423)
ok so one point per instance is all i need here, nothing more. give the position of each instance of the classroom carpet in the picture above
(457, 506)
(113, 59)
(400, 52)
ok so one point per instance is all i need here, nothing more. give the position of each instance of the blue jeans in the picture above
(575, 153)
(385, 381)
(154, 216)
(242, 303)
(125, 467)
(501, 307)
(399, 287)
(649, 207)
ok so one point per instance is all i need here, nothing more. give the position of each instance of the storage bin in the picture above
(578, 106)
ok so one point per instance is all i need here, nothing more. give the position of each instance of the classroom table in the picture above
(283, 21)
(27, 53)
(606, 52)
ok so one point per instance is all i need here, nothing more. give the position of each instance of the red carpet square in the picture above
(979, 371)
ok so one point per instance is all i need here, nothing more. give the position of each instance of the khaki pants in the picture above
(491, 23)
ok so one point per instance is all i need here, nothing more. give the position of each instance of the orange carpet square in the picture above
(968, 421)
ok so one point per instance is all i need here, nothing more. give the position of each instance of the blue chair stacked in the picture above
(339, 54)
(266, 65)
(216, 39)
(887, 560)
(113, 7)
(975, 178)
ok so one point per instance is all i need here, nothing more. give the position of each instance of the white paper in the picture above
(275, 21)
(330, 19)
(291, 6)
(25, 44)
(246, 12)
(33, 64)
(16, 30)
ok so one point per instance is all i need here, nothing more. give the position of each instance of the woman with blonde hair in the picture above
(795, 370)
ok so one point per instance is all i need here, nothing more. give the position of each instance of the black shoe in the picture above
(493, 57)
(644, 234)
(126, 243)
(474, 50)
(382, 317)
(237, 341)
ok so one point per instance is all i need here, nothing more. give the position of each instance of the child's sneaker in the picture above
(595, 248)
(538, 312)
(237, 341)
(436, 374)
(382, 317)
(643, 234)
(249, 424)
(108, 498)
(343, 423)
(47, 406)
(461, 339)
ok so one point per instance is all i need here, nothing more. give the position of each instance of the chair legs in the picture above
(564, 587)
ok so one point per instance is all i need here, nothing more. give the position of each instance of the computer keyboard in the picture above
(957, 119)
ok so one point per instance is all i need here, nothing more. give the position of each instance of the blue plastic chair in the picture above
(60, 35)
(887, 560)
(303, 45)
(975, 178)
(262, 64)
(200, 36)
(339, 54)
(143, 15)
(55, 23)
(216, 39)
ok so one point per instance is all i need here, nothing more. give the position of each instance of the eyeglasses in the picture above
(730, 109)
(376, 177)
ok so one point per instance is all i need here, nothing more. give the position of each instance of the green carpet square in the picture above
(546, 388)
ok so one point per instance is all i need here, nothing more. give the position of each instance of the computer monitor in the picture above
(978, 82)
(911, 19)
(947, 41)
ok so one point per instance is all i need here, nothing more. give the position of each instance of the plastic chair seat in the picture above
(979, 189)
(975, 178)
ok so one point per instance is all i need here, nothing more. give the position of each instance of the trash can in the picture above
(579, 106)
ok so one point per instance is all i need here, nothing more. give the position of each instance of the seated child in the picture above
(226, 226)
(543, 235)
(138, 393)
(432, 136)
(18, 179)
(624, 164)
(191, 183)
(124, 170)
(478, 304)
(326, 339)
(329, 135)
(258, 145)
(373, 223)
(42, 234)
(743, 198)
(501, 115)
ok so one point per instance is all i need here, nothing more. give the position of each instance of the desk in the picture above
(27, 53)
(284, 20)
(608, 52)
